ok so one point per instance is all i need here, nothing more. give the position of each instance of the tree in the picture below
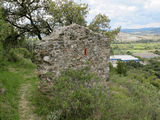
(27, 16)
(7, 33)
(41, 17)
(66, 12)
(3, 26)
(121, 68)
(101, 24)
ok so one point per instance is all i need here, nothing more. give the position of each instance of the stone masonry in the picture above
(74, 47)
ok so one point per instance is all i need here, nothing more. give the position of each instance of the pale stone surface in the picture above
(73, 47)
(46, 58)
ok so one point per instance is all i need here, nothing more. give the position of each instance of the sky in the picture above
(126, 13)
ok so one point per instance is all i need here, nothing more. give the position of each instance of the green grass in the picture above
(133, 97)
(130, 97)
(12, 76)
(135, 47)
(9, 101)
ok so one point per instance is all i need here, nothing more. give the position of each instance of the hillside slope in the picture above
(125, 37)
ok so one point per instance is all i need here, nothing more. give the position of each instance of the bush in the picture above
(75, 95)
(156, 83)
(133, 99)
(154, 67)
(30, 44)
(129, 53)
(121, 68)
(110, 66)
(3, 61)
(16, 55)
(24, 52)
(12, 56)
(134, 64)
(157, 52)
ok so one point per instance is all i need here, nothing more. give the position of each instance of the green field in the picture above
(135, 47)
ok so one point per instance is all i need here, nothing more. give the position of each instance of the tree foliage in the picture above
(41, 17)
(101, 24)
(121, 68)
(3, 26)
(9, 37)
(66, 12)
(27, 16)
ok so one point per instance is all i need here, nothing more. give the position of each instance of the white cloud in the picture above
(108, 7)
(157, 24)
(136, 26)
(126, 13)
(132, 8)
(152, 4)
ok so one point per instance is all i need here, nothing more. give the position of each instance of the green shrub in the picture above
(133, 64)
(75, 95)
(24, 52)
(121, 68)
(157, 52)
(129, 53)
(3, 62)
(30, 44)
(17, 55)
(110, 66)
(12, 56)
(154, 67)
(132, 99)
(156, 83)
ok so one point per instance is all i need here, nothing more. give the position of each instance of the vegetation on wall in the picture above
(124, 97)
(76, 94)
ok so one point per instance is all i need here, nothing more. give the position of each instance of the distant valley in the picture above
(133, 35)
(142, 31)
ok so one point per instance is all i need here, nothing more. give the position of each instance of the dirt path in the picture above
(25, 107)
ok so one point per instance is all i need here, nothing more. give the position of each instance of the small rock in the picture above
(46, 58)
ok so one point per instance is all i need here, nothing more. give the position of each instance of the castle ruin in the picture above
(74, 47)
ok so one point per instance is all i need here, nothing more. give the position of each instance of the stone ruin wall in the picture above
(73, 47)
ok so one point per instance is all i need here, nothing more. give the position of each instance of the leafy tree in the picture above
(133, 64)
(27, 16)
(3, 26)
(101, 24)
(121, 68)
(41, 17)
(66, 12)
(8, 36)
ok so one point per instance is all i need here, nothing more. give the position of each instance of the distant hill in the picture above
(142, 31)
(133, 36)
